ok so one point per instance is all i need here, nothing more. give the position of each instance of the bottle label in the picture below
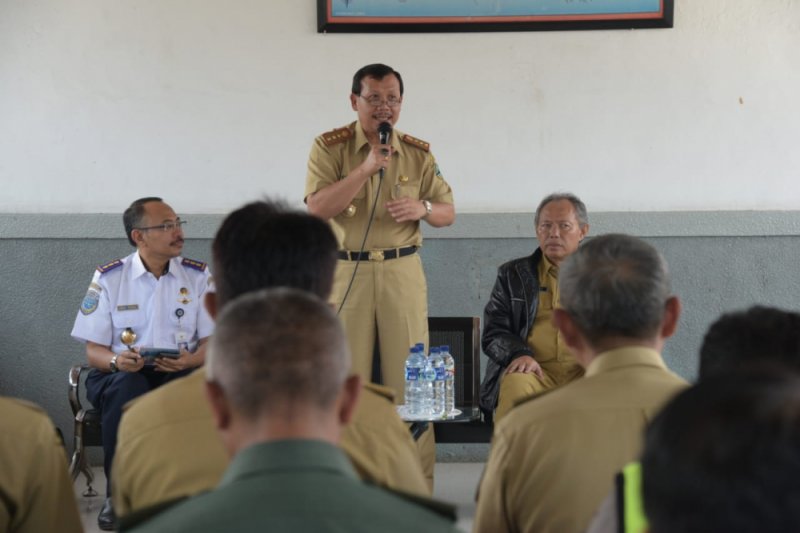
(440, 373)
(412, 374)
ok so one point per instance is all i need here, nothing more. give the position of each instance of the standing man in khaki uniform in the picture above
(553, 459)
(350, 174)
(36, 492)
(527, 355)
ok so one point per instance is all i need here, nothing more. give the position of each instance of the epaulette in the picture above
(191, 263)
(339, 135)
(108, 267)
(413, 141)
(383, 392)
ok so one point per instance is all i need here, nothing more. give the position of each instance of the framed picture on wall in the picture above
(392, 16)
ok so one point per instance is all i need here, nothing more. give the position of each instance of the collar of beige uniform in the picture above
(361, 138)
(549, 267)
(624, 357)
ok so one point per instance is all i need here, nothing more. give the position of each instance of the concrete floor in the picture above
(454, 483)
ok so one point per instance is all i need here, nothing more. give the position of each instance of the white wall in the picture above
(212, 103)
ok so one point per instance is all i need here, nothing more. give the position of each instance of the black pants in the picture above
(110, 392)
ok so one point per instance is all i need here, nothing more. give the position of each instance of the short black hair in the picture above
(266, 244)
(377, 71)
(132, 217)
(757, 336)
(724, 456)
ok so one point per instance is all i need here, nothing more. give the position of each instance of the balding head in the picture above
(616, 286)
(278, 351)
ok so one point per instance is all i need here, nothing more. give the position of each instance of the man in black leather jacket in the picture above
(524, 295)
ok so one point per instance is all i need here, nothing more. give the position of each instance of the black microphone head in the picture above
(384, 131)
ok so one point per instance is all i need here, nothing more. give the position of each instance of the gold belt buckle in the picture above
(376, 255)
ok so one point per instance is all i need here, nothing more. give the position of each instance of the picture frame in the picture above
(404, 16)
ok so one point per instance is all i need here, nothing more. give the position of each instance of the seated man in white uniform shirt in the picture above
(154, 295)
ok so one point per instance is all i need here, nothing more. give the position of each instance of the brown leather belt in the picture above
(377, 255)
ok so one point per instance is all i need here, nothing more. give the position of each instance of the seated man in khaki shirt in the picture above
(168, 447)
(527, 354)
(280, 388)
(553, 458)
(36, 493)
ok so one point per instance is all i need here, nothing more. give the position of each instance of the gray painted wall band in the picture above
(467, 226)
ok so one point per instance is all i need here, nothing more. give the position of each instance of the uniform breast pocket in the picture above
(406, 187)
(546, 300)
(127, 318)
(357, 204)
(123, 319)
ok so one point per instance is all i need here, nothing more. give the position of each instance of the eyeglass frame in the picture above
(175, 224)
(391, 104)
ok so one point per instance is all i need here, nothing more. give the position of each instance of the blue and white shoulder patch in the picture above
(90, 301)
(191, 263)
(111, 265)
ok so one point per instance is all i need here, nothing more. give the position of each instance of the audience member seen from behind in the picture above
(279, 389)
(168, 447)
(553, 458)
(749, 339)
(36, 492)
(527, 355)
(752, 340)
(724, 457)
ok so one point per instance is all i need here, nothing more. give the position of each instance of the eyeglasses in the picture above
(547, 227)
(166, 227)
(377, 101)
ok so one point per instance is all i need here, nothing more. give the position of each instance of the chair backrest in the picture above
(84, 413)
(77, 392)
(462, 334)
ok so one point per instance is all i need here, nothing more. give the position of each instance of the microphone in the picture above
(384, 133)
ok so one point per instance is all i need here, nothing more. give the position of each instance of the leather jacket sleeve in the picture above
(502, 321)
(507, 319)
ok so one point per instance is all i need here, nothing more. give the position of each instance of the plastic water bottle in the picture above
(428, 379)
(437, 362)
(449, 380)
(414, 393)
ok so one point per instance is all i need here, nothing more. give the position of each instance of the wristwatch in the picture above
(113, 364)
(428, 208)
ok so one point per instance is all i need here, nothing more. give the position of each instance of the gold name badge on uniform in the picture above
(129, 307)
